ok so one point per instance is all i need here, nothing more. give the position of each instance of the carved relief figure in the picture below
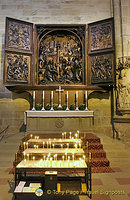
(101, 37)
(101, 68)
(124, 86)
(60, 60)
(17, 67)
(19, 35)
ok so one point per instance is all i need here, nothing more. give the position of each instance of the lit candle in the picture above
(79, 145)
(43, 144)
(56, 157)
(27, 145)
(70, 135)
(75, 146)
(63, 158)
(53, 146)
(73, 156)
(47, 144)
(31, 136)
(50, 144)
(66, 155)
(84, 157)
(62, 135)
(37, 146)
(61, 145)
(28, 156)
(67, 145)
(76, 135)
(34, 146)
(33, 157)
(44, 157)
(65, 135)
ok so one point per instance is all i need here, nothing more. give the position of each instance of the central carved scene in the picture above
(60, 58)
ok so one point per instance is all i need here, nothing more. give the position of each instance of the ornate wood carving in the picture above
(101, 36)
(19, 36)
(102, 68)
(61, 55)
(18, 51)
(18, 67)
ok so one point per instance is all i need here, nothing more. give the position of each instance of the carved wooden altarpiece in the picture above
(46, 56)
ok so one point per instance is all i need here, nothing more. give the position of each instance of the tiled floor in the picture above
(105, 186)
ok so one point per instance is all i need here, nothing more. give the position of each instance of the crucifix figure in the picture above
(59, 90)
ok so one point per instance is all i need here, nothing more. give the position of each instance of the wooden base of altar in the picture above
(58, 121)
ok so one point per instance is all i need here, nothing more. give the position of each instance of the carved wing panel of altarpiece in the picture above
(18, 51)
(51, 55)
(101, 52)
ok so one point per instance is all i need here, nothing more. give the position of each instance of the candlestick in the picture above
(52, 100)
(33, 101)
(70, 134)
(86, 100)
(67, 102)
(43, 96)
(77, 100)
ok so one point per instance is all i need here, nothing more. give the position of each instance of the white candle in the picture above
(43, 96)
(70, 135)
(86, 100)
(79, 145)
(31, 136)
(33, 101)
(61, 145)
(63, 158)
(62, 135)
(43, 144)
(33, 157)
(76, 135)
(51, 100)
(84, 157)
(47, 144)
(44, 157)
(50, 144)
(53, 146)
(67, 145)
(65, 135)
(37, 146)
(28, 156)
(27, 145)
(77, 100)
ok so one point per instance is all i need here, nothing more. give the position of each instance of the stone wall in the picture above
(12, 105)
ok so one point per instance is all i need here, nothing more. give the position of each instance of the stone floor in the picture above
(105, 186)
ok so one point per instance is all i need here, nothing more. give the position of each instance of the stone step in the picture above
(118, 153)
